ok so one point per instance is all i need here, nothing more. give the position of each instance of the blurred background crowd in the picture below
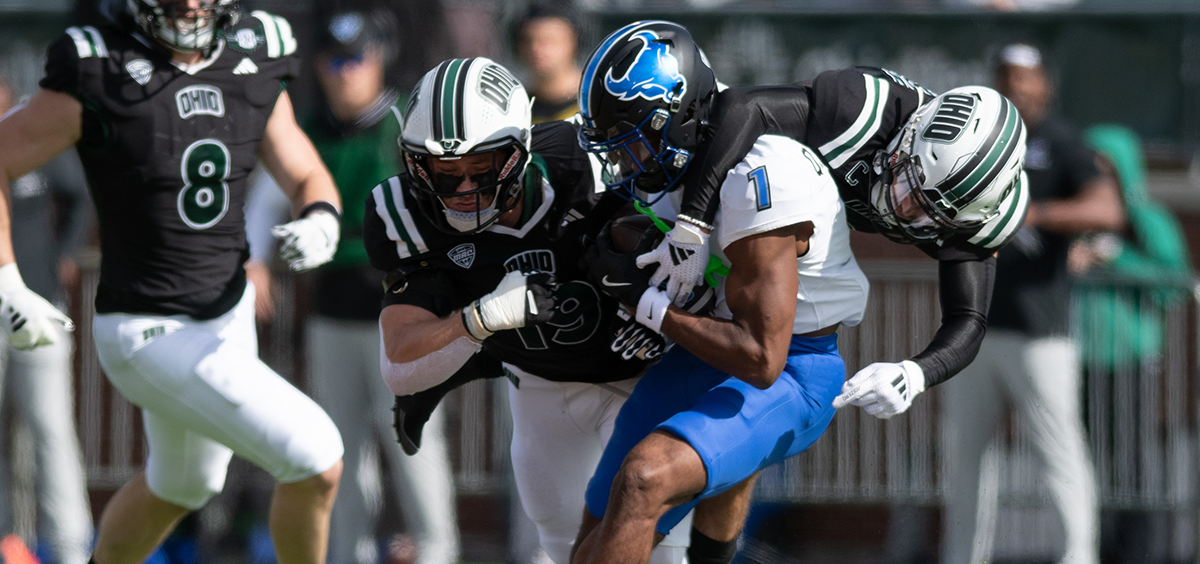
(1099, 284)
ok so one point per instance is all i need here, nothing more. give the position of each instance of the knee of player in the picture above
(326, 481)
(191, 493)
(643, 479)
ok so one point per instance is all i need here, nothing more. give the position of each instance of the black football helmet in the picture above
(644, 99)
(183, 28)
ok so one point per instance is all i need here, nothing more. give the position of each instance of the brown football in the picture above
(627, 231)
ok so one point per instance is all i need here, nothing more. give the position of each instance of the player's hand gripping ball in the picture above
(627, 233)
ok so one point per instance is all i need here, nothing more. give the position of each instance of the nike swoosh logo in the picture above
(614, 284)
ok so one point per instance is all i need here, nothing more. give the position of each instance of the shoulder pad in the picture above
(397, 219)
(88, 42)
(263, 28)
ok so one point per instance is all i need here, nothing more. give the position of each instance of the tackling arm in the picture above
(965, 292)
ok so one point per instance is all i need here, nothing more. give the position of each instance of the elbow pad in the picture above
(407, 378)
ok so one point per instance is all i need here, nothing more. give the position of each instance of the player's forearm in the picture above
(410, 341)
(6, 248)
(727, 346)
(318, 186)
(965, 292)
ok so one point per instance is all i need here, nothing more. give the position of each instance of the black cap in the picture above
(351, 33)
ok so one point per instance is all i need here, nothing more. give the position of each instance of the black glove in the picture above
(617, 274)
(634, 340)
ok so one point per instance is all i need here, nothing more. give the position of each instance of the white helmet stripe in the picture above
(999, 231)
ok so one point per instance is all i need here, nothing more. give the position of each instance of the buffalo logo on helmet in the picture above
(653, 75)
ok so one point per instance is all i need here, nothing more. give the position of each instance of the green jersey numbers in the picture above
(575, 322)
(204, 198)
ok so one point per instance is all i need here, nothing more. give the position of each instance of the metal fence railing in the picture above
(1141, 409)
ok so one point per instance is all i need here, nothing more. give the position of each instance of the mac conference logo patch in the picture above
(463, 255)
(140, 70)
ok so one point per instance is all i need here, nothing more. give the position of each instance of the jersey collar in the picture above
(212, 58)
(535, 219)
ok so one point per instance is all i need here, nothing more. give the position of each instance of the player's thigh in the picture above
(183, 467)
(669, 387)
(216, 388)
(738, 429)
(553, 456)
(1053, 375)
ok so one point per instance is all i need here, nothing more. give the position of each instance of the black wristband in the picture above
(321, 205)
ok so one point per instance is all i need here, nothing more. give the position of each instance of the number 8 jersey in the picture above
(167, 150)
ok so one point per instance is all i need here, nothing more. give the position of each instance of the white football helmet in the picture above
(466, 107)
(952, 167)
(183, 28)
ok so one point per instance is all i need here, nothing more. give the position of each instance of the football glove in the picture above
(883, 389)
(682, 257)
(615, 273)
(309, 241)
(634, 340)
(27, 318)
(519, 300)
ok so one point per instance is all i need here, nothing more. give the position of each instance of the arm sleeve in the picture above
(407, 378)
(742, 116)
(965, 292)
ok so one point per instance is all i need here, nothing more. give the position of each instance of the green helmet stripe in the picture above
(836, 152)
(981, 171)
(1010, 221)
(450, 100)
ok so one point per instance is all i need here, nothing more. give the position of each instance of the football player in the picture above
(490, 209)
(916, 168)
(170, 111)
(906, 200)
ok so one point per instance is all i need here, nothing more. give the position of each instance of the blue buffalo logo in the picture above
(653, 75)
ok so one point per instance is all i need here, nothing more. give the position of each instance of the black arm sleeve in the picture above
(965, 291)
(741, 116)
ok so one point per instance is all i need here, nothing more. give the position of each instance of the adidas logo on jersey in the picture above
(245, 67)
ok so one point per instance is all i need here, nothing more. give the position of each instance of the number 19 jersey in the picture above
(167, 150)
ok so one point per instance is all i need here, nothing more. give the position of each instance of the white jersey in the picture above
(781, 182)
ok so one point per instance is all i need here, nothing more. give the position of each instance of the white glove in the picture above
(518, 300)
(27, 318)
(883, 389)
(682, 257)
(308, 242)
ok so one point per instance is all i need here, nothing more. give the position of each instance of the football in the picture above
(627, 230)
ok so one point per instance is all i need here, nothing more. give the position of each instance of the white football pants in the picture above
(559, 433)
(206, 396)
(1041, 377)
(344, 361)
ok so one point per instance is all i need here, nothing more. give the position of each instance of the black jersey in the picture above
(447, 271)
(167, 152)
(847, 116)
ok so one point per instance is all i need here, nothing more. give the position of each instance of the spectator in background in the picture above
(356, 133)
(1142, 271)
(37, 382)
(1027, 355)
(547, 41)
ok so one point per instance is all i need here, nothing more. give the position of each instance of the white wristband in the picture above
(473, 322)
(10, 277)
(652, 308)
